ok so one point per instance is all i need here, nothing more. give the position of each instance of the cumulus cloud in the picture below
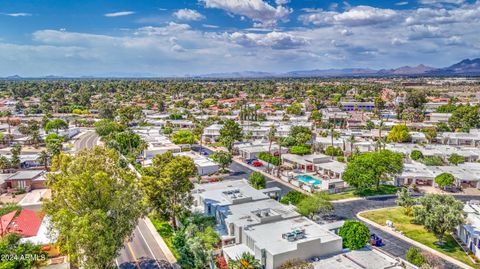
(188, 15)
(119, 14)
(355, 16)
(274, 40)
(261, 12)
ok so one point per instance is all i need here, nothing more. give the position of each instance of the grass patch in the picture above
(215, 145)
(341, 195)
(165, 229)
(382, 190)
(418, 233)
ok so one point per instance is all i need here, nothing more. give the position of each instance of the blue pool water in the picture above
(309, 179)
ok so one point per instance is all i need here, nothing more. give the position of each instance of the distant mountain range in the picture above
(466, 67)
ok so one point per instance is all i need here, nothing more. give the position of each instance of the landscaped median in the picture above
(403, 224)
(382, 190)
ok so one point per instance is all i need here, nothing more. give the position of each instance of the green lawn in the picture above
(382, 190)
(416, 232)
(166, 232)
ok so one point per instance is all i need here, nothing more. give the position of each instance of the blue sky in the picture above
(174, 38)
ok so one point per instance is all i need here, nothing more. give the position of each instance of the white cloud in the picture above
(274, 40)
(261, 12)
(19, 14)
(401, 3)
(282, 2)
(437, 2)
(188, 15)
(356, 16)
(119, 14)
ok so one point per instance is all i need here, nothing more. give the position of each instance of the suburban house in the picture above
(250, 222)
(25, 179)
(469, 233)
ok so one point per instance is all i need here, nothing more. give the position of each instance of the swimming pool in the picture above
(309, 179)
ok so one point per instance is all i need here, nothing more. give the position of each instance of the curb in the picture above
(168, 254)
(411, 241)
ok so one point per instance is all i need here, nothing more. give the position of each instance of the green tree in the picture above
(230, 133)
(54, 145)
(167, 186)
(15, 160)
(317, 203)
(444, 180)
(95, 205)
(399, 134)
(405, 200)
(432, 161)
(294, 109)
(465, 117)
(439, 214)
(430, 134)
(456, 159)
(43, 158)
(246, 261)
(414, 255)
(293, 197)
(10, 246)
(257, 180)
(183, 137)
(55, 124)
(300, 150)
(355, 234)
(4, 163)
(416, 155)
(106, 127)
(301, 134)
(223, 158)
(369, 169)
(415, 99)
(127, 143)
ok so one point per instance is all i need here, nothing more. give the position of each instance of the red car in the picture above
(257, 163)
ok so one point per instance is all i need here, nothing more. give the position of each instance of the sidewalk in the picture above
(163, 246)
(413, 242)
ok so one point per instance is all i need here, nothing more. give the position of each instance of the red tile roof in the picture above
(5, 221)
(26, 224)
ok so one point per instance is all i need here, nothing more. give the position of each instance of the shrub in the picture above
(456, 159)
(268, 157)
(293, 197)
(257, 180)
(333, 151)
(432, 161)
(414, 255)
(416, 155)
(300, 150)
(355, 234)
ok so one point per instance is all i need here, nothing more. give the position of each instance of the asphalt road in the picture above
(87, 140)
(392, 244)
(142, 251)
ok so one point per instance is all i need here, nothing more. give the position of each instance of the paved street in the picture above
(142, 251)
(87, 140)
(392, 244)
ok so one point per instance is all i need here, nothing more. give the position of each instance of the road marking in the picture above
(146, 243)
(133, 255)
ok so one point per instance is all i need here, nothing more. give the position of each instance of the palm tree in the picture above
(43, 158)
(246, 261)
(35, 138)
(351, 140)
(4, 163)
(271, 137)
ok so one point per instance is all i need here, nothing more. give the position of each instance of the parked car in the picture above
(375, 240)
(250, 161)
(257, 163)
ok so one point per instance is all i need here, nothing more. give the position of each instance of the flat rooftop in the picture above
(269, 236)
(359, 259)
(247, 214)
(228, 192)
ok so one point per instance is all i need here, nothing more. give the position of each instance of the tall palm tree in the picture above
(246, 261)
(43, 158)
(271, 137)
